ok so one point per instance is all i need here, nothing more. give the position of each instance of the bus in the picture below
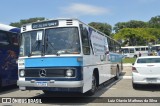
(9, 50)
(134, 51)
(155, 48)
(66, 55)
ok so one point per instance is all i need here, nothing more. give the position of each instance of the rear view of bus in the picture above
(59, 55)
(9, 50)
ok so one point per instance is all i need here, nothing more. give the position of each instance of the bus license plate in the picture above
(41, 84)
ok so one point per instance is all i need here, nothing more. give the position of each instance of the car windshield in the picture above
(148, 60)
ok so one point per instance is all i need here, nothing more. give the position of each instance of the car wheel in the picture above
(94, 86)
(135, 86)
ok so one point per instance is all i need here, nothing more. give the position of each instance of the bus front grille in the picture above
(46, 73)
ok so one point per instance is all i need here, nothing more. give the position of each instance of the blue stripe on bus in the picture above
(52, 62)
(115, 57)
(16, 30)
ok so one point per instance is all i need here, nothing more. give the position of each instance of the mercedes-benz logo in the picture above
(42, 73)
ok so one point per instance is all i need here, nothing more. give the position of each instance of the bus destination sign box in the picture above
(45, 24)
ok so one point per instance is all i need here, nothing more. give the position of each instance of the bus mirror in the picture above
(132, 63)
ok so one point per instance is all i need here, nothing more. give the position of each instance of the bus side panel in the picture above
(87, 79)
(91, 63)
(87, 72)
(116, 62)
(9, 50)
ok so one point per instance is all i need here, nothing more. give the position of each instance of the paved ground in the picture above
(120, 88)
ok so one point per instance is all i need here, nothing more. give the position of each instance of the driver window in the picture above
(85, 40)
(4, 38)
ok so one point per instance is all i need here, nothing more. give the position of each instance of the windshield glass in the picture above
(148, 60)
(56, 41)
(125, 50)
(62, 41)
(31, 43)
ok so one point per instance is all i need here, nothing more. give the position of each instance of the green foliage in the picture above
(138, 36)
(138, 32)
(154, 22)
(130, 24)
(25, 21)
(103, 27)
(129, 60)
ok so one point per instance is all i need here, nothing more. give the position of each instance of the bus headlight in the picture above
(69, 73)
(21, 63)
(22, 73)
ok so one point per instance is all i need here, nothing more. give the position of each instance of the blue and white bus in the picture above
(9, 50)
(66, 55)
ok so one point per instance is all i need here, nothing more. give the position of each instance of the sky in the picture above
(105, 11)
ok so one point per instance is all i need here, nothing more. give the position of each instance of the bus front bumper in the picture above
(49, 84)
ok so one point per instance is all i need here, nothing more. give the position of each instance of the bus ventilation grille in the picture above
(24, 28)
(69, 22)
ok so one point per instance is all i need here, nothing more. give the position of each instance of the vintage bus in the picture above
(9, 50)
(134, 51)
(66, 55)
(155, 48)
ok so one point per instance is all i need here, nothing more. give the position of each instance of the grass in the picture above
(129, 60)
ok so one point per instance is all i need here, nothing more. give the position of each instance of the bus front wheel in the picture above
(94, 86)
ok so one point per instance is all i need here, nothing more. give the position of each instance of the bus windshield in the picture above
(56, 41)
(32, 43)
(62, 41)
(125, 50)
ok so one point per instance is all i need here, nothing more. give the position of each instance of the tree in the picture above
(129, 24)
(103, 27)
(25, 21)
(154, 22)
(137, 36)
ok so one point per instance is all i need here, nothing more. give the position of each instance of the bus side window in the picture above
(4, 38)
(85, 40)
(14, 39)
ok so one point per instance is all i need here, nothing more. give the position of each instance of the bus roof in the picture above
(134, 46)
(8, 28)
(69, 23)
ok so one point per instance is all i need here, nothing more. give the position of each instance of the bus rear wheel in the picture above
(117, 73)
(94, 86)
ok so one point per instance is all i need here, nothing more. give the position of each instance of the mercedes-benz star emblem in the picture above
(42, 73)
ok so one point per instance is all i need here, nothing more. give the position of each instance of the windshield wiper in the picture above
(35, 45)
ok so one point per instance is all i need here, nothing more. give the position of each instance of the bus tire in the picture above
(117, 73)
(48, 92)
(94, 86)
